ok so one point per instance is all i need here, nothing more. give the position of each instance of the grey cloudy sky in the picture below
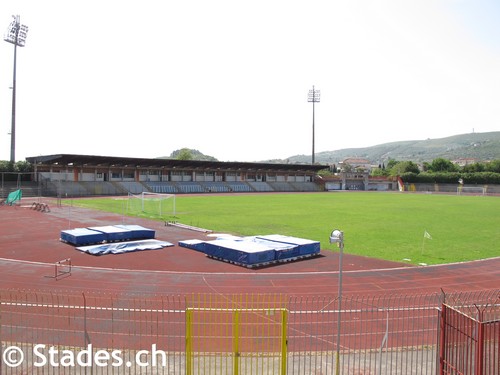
(230, 78)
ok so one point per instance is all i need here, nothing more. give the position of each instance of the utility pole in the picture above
(16, 35)
(313, 97)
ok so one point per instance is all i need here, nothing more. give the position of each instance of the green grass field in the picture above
(380, 225)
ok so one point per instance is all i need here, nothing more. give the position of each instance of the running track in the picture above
(30, 245)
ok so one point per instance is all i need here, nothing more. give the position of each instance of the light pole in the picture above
(16, 35)
(313, 97)
(337, 237)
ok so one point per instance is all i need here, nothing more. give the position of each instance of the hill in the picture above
(188, 154)
(480, 146)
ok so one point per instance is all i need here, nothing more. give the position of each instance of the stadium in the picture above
(121, 265)
(183, 310)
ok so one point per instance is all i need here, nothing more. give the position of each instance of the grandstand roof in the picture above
(113, 161)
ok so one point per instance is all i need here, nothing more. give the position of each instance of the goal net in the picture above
(151, 205)
(471, 190)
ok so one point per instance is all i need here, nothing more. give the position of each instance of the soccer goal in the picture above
(151, 204)
(471, 190)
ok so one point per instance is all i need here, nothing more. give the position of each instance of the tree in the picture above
(404, 167)
(442, 165)
(190, 154)
(379, 172)
(493, 166)
(184, 154)
(391, 163)
(347, 168)
(23, 167)
(325, 172)
(6, 166)
(475, 167)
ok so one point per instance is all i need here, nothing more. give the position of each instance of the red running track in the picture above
(30, 245)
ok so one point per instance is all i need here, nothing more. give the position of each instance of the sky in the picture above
(231, 78)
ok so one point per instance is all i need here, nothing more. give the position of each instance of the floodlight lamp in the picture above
(337, 237)
(313, 96)
(16, 33)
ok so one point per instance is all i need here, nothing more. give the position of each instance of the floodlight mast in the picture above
(337, 236)
(313, 97)
(16, 35)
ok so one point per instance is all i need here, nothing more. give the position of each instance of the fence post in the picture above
(284, 340)
(442, 338)
(236, 349)
(480, 344)
(86, 337)
(189, 342)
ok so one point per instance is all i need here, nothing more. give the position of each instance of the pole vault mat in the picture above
(256, 251)
(106, 233)
(82, 236)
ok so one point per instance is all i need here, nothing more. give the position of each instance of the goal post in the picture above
(471, 190)
(151, 204)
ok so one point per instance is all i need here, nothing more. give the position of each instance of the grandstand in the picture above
(81, 175)
(68, 175)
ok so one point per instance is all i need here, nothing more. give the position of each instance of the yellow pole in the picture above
(236, 349)
(284, 340)
(189, 338)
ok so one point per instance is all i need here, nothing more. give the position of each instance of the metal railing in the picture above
(470, 335)
(89, 333)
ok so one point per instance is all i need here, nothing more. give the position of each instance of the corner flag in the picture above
(427, 235)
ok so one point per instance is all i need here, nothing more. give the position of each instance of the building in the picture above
(78, 175)
(359, 181)
(462, 162)
(355, 164)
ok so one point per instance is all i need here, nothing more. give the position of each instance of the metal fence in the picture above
(61, 333)
(470, 335)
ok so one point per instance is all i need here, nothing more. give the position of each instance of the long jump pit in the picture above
(31, 252)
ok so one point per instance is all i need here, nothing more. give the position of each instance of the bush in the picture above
(412, 177)
(481, 178)
(452, 177)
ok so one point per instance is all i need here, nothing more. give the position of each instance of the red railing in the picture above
(470, 337)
